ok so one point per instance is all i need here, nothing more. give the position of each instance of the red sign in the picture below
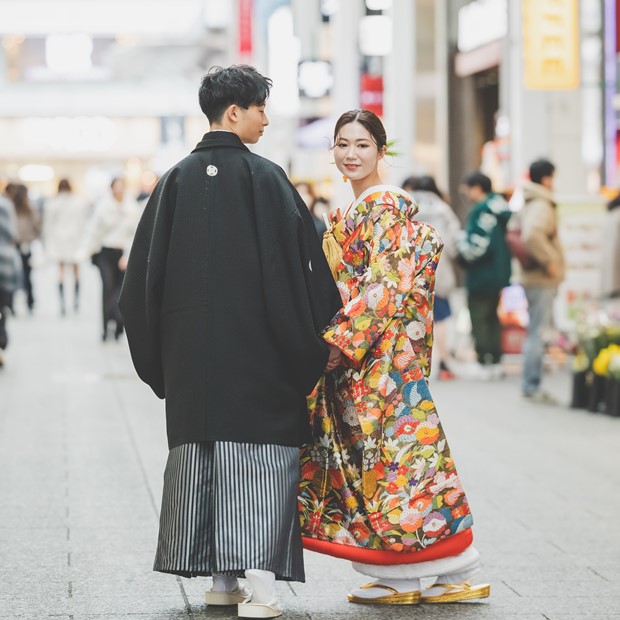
(245, 27)
(371, 93)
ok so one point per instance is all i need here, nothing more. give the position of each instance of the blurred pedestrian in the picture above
(487, 261)
(314, 203)
(8, 268)
(28, 230)
(434, 210)
(225, 292)
(320, 211)
(610, 268)
(64, 226)
(538, 224)
(108, 232)
(379, 484)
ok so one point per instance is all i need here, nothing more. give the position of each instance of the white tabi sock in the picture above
(457, 577)
(224, 583)
(263, 584)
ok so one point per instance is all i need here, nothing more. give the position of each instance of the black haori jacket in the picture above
(224, 295)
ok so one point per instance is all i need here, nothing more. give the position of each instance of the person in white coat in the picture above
(108, 234)
(64, 225)
(434, 210)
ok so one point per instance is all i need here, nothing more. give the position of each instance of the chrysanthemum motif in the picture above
(376, 296)
(349, 415)
(416, 331)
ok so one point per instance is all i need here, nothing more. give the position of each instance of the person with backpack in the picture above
(541, 274)
(486, 258)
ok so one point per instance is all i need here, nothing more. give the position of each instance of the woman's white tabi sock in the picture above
(263, 584)
(457, 577)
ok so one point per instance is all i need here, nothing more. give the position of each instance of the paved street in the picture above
(82, 452)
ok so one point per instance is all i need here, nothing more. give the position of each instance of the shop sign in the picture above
(551, 44)
(371, 93)
(481, 22)
(245, 27)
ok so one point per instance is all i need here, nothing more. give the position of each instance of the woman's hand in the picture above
(334, 359)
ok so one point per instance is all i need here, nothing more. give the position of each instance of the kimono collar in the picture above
(388, 195)
(220, 139)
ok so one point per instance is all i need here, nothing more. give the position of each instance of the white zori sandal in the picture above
(241, 594)
(258, 610)
(454, 592)
(383, 595)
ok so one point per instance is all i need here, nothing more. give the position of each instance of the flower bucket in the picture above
(612, 397)
(581, 390)
(596, 398)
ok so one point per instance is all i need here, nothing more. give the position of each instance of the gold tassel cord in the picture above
(333, 251)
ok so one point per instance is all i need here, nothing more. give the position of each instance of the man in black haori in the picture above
(225, 292)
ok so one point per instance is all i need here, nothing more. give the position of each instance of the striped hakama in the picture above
(228, 507)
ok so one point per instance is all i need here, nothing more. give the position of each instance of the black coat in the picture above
(225, 292)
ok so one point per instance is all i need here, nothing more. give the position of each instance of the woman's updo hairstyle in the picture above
(366, 118)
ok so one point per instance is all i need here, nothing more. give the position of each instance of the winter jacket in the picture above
(483, 249)
(434, 211)
(610, 268)
(538, 222)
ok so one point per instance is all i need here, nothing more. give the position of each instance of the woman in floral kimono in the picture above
(379, 486)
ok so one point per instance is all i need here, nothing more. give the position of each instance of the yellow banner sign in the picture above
(551, 44)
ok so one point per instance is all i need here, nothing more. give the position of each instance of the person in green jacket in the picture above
(486, 257)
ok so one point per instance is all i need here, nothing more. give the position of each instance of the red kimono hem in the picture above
(443, 549)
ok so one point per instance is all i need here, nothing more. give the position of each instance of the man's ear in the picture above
(232, 113)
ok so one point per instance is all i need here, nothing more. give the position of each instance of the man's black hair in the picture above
(241, 85)
(477, 179)
(540, 169)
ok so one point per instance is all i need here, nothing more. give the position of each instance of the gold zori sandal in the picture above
(454, 592)
(394, 598)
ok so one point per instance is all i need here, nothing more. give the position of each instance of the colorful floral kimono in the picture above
(378, 481)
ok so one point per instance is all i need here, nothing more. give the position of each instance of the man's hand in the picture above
(552, 269)
(334, 359)
(122, 263)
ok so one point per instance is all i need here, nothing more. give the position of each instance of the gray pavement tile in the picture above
(137, 604)
(149, 616)
(583, 615)
(35, 606)
(607, 572)
(181, 615)
(146, 585)
(554, 587)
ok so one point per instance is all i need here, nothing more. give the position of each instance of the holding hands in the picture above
(334, 359)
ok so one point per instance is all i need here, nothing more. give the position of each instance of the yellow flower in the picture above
(351, 502)
(367, 427)
(373, 380)
(426, 405)
(601, 362)
(401, 481)
(326, 425)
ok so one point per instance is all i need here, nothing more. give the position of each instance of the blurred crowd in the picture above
(498, 246)
(69, 230)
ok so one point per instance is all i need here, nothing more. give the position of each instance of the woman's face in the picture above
(355, 152)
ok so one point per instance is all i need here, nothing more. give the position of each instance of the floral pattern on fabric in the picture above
(378, 473)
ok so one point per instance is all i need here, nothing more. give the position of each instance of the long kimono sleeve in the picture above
(400, 275)
(141, 295)
(300, 294)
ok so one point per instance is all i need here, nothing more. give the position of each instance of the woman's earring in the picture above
(345, 178)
